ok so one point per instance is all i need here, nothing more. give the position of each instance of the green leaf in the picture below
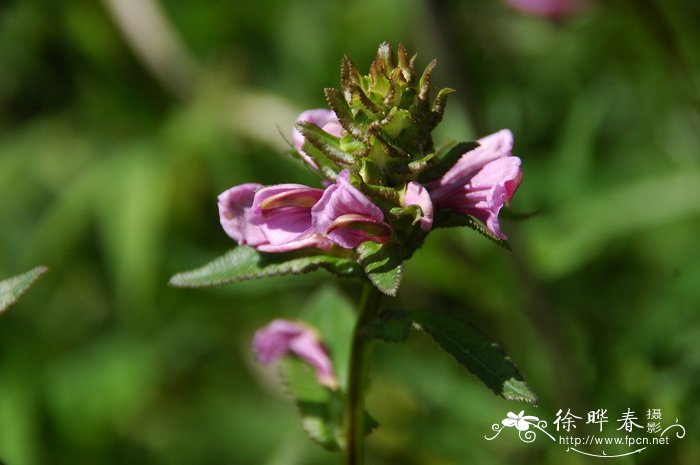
(334, 316)
(447, 161)
(476, 352)
(243, 263)
(320, 408)
(390, 326)
(12, 289)
(382, 264)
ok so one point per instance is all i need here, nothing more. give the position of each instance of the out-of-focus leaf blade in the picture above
(12, 288)
(390, 326)
(320, 410)
(334, 317)
(244, 263)
(476, 352)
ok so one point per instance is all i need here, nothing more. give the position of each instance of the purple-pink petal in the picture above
(547, 8)
(324, 119)
(342, 199)
(416, 194)
(281, 337)
(481, 182)
(271, 219)
(491, 147)
(234, 205)
(284, 222)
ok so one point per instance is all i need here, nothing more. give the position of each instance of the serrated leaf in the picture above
(449, 219)
(244, 263)
(12, 288)
(476, 352)
(447, 161)
(382, 265)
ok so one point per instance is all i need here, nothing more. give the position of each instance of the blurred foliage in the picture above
(109, 169)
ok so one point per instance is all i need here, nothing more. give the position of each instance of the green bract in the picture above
(387, 117)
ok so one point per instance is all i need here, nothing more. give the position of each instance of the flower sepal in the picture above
(450, 219)
(325, 143)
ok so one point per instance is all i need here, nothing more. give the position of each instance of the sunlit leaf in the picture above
(244, 263)
(382, 264)
(12, 289)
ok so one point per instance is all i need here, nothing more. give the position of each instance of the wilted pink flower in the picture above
(271, 219)
(416, 194)
(347, 216)
(548, 8)
(324, 119)
(481, 182)
(283, 336)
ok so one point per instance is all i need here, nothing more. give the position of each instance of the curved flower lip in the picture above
(312, 240)
(381, 232)
(283, 214)
(324, 119)
(304, 198)
(329, 215)
(281, 337)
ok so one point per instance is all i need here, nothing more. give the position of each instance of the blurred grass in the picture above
(110, 179)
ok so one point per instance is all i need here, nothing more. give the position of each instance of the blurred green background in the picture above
(120, 122)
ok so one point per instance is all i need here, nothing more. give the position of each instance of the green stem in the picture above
(359, 367)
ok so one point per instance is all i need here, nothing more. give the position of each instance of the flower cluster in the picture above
(385, 182)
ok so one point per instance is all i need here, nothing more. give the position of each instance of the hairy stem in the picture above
(359, 367)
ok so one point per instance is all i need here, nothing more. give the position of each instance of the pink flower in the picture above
(283, 336)
(324, 119)
(547, 8)
(271, 219)
(347, 217)
(481, 182)
(234, 205)
(416, 194)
